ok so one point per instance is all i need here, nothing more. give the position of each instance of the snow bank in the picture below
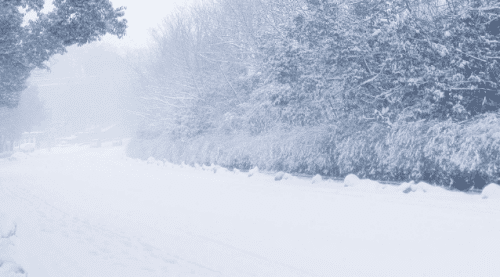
(152, 160)
(207, 167)
(491, 191)
(279, 176)
(222, 170)
(219, 169)
(27, 147)
(317, 179)
(18, 156)
(352, 180)
(8, 268)
(407, 187)
(412, 187)
(213, 168)
(282, 176)
(253, 171)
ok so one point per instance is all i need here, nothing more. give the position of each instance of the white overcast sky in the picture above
(141, 16)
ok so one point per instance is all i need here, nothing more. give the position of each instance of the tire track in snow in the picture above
(297, 271)
(103, 242)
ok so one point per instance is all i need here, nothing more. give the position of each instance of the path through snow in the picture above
(93, 212)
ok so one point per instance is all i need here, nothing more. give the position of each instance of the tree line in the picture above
(392, 90)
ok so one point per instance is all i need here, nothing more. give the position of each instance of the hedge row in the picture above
(456, 155)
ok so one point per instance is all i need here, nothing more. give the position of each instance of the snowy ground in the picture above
(82, 211)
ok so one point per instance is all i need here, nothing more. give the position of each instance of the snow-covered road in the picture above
(93, 212)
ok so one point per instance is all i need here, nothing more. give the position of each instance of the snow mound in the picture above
(317, 179)
(370, 183)
(253, 171)
(282, 176)
(279, 176)
(219, 169)
(351, 180)
(27, 147)
(491, 191)
(423, 186)
(207, 167)
(236, 171)
(18, 156)
(11, 269)
(412, 187)
(151, 160)
(407, 187)
(216, 168)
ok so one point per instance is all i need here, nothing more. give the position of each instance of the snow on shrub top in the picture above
(351, 180)
(253, 171)
(491, 191)
(317, 179)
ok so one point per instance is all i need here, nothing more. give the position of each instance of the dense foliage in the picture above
(387, 60)
(393, 90)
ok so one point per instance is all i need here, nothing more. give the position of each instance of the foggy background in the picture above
(91, 86)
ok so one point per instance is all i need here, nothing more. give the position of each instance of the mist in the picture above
(249, 138)
(87, 87)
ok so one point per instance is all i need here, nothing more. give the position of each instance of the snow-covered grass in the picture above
(84, 211)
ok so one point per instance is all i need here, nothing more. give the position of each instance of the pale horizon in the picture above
(142, 17)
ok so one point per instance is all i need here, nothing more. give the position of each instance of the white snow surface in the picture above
(83, 211)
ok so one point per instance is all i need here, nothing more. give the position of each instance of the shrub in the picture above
(456, 155)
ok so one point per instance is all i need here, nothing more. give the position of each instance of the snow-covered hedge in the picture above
(447, 153)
